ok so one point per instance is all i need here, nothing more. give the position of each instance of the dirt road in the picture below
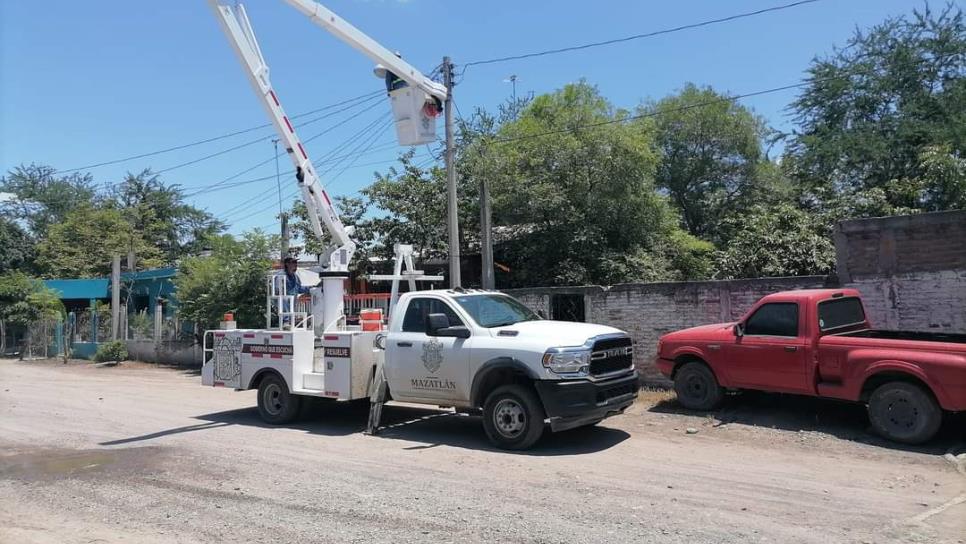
(137, 454)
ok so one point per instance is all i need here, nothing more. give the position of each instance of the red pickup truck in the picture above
(818, 342)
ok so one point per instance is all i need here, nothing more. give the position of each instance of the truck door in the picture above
(771, 353)
(427, 367)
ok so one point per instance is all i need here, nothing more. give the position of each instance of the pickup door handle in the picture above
(404, 344)
(791, 348)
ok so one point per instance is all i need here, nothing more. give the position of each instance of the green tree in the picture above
(84, 244)
(710, 155)
(158, 212)
(782, 240)
(25, 301)
(42, 198)
(574, 198)
(16, 249)
(232, 279)
(351, 211)
(874, 107)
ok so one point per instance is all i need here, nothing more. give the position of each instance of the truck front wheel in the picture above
(275, 404)
(696, 387)
(903, 412)
(513, 417)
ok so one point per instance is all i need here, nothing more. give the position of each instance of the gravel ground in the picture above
(140, 454)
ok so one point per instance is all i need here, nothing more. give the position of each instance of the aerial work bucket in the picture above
(415, 114)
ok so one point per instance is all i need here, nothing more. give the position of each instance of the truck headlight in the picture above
(567, 360)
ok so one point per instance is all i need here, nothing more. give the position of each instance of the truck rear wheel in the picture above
(696, 387)
(904, 412)
(513, 417)
(276, 405)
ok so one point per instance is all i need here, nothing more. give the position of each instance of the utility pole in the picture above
(452, 216)
(115, 296)
(486, 236)
(282, 216)
(285, 235)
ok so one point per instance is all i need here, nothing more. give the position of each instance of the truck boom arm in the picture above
(236, 26)
(342, 29)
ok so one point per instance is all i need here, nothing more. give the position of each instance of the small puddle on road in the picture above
(43, 464)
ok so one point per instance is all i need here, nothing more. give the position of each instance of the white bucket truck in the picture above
(468, 349)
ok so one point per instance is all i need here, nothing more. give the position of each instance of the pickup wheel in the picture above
(904, 412)
(696, 387)
(276, 405)
(513, 417)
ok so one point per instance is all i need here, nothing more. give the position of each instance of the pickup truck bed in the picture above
(915, 336)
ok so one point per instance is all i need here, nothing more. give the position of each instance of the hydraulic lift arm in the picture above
(336, 257)
(237, 27)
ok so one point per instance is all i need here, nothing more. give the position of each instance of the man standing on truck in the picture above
(293, 284)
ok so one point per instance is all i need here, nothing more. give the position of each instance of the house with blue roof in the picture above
(147, 297)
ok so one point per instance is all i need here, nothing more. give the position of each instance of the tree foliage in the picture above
(231, 279)
(83, 245)
(351, 212)
(42, 198)
(158, 212)
(710, 155)
(580, 206)
(873, 108)
(783, 240)
(16, 249)
(25, 300)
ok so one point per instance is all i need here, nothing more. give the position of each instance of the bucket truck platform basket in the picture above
(415, 115)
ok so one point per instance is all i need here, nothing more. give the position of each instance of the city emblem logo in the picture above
(432, 355)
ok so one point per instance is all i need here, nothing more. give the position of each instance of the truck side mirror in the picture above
(739, 330)
(436, 322)
(438, 325)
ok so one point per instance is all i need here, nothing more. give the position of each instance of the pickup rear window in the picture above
(840, 312)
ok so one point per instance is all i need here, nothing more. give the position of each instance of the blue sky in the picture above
(86, 82)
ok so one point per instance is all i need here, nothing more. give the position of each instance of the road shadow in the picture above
(427, 426)
(844, 420)
(435, 428)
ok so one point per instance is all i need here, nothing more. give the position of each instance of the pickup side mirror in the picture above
(739, 330)
(438, 325)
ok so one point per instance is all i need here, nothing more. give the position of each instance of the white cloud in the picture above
(7, 196)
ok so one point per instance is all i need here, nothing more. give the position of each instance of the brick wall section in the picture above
(648, 310)
(924, 301)
(911, 269)
(867, 249)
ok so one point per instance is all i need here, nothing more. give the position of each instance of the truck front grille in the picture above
(611, 355)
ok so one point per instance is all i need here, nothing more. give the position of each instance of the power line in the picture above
(351, 162)
(364, 133)
(263, 138)
(206, 188)
(216, 138)
(733, 98)
(287, 172)
(638, 36)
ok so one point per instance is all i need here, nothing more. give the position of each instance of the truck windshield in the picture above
(495, 310)
(840, 312)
